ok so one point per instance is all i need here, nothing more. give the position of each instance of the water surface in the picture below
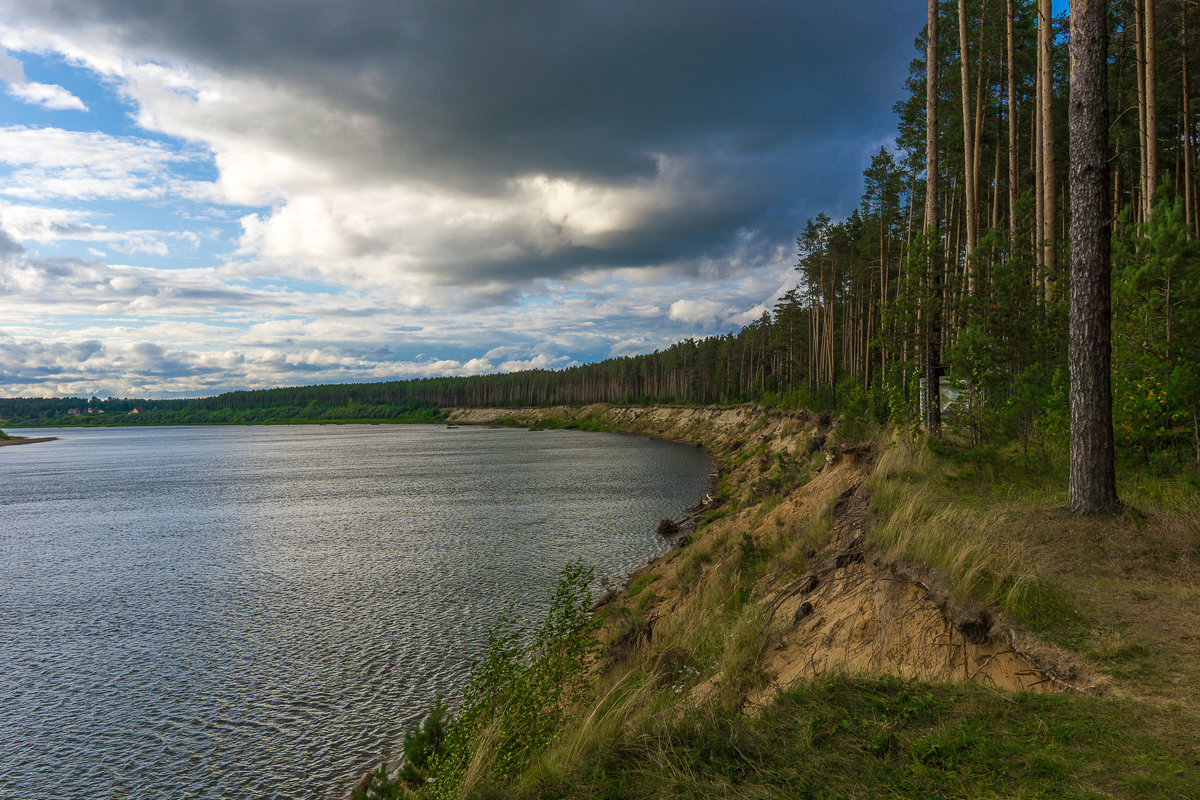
(237, 612)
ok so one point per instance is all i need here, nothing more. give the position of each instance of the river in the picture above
(262, 611)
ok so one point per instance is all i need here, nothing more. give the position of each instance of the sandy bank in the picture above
(26, 440)
(835, 604)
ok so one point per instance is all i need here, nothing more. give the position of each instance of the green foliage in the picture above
(517, 693)
(1156, 343)
(379, 787)
(863, 411)
(301, 405)
(422, 742)
(1032, 409)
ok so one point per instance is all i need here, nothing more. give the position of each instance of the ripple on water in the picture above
(262, 612)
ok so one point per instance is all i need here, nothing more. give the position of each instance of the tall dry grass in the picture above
(918, 521)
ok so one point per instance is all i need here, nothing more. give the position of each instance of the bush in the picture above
(518, 693)
(422, 742)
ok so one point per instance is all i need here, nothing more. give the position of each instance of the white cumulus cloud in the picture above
(47, 95)
(696, 312)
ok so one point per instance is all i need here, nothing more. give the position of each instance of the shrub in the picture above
(518, 692)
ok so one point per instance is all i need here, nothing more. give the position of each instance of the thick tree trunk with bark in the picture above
(1093, 488)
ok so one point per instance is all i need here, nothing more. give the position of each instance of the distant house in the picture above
(136, 411)
(73, 412)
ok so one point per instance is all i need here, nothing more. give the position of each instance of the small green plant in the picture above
(422, 742)
(639, 583)
(518, 693)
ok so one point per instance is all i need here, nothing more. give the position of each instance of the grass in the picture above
(918, 519)
(639, 583)
(1123, 592)
(918, 525)
(859, 737)
(681, 706)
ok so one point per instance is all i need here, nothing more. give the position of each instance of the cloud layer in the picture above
(573, 179)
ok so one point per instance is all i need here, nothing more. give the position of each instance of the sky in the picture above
(198, 197)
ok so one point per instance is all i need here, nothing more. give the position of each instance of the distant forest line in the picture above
(953, 272)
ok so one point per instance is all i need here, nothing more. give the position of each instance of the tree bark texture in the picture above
(1189, 159)
(1093, 488)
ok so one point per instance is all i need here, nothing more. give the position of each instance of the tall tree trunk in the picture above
(1038, 181)
(1139, 50)
(1151, 107)
(970, 188)
(1188, 156)
(996, 186)
(1046, 95)
(982, 76)
(1013, 172)
(1093, 487)
(1117, 186)
(933, 300)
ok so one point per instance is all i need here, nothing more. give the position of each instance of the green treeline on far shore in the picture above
(310, 404)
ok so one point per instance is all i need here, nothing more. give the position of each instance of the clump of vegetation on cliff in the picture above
(512, 707)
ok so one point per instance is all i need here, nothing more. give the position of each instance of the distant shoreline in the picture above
(26, 440)
(121, 422)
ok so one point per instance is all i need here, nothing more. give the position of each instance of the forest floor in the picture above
(868, 616)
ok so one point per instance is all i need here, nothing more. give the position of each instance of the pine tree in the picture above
(1093, 486)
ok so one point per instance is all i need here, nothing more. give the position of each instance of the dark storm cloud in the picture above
(767, 109)
(479, 90)
(532, 80)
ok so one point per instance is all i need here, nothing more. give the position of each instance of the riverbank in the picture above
(869, 617)
(5, 441)
(790, 490)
